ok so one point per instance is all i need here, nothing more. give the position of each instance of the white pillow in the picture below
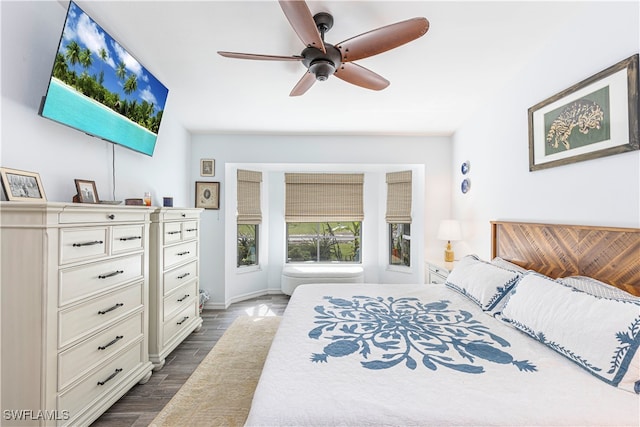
(482, 282)
(601, 335)
(597, 288)
(508, 265)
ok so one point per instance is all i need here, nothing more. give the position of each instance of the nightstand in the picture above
(437, 272)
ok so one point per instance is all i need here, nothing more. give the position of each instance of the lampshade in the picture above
(449, 230)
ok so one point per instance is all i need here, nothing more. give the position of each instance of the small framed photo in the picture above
(207, 195)
(207, 167)
(22, 185)
(87, 192)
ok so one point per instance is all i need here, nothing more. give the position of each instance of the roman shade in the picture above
(249, 197)
(399, 197)
(315, 197)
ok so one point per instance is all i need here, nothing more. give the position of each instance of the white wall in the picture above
(428, 157)
(30, 34)
(603, 191)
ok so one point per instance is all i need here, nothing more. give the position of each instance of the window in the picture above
(323, 242)
(400, 244)
(399, 217)
(324, 213)
(249, 217)
(247, 244)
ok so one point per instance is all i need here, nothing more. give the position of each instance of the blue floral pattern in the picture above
(387, 332)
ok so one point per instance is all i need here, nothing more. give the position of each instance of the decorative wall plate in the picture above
(465, 167)
(465, 186)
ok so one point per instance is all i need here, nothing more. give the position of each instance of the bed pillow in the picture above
(484, 283)
(602, 335)
(508, 265)
(597, 288)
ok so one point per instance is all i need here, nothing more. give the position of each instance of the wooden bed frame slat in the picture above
(608, 254)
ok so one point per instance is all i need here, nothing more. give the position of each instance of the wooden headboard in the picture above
(608, 254)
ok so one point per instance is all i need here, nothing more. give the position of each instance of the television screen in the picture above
(97, 87)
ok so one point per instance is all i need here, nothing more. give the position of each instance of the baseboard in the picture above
(211, 305)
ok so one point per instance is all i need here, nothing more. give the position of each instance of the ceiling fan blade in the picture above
(360, 76)
(301, 20)
(239, 55)
(304, 84)
(382, 39)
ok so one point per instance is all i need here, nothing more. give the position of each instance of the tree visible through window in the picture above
(247, 244)
(400, 241)
(323, 242)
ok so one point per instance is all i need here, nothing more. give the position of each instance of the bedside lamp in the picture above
(449, 230)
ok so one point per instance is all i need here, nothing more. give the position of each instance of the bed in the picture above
(523, 339)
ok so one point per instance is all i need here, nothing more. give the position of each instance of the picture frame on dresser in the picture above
(207, 195)
(87, 192)
(594, 118)
(22, 185)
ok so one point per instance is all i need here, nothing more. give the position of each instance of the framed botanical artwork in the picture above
(207, 195)
(87, 192)
(22, 185)
(207, 167)
(594, 118)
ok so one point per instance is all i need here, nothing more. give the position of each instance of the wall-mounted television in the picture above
(97, 87)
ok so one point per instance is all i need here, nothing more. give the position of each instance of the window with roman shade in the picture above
(315, 197)
(249, 217)
(399, 217)
(249, 197)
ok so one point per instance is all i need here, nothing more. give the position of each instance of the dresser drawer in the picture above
(189, 230)
(91, 279)
(179, 322)
(74, 362)
(101, 381)
(79, 244)
(92, 214)
(97, 313)
(179, 276)
(179, 298)
(172, 232)
(127, 239)
(173, 215)
(174, 255)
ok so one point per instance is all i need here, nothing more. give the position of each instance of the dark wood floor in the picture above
(143, 402)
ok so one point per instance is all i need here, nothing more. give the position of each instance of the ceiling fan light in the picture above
(322, 69)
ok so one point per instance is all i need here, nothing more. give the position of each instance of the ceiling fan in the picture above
(323, 59)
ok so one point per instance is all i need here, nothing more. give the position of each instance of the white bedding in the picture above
(315, 376)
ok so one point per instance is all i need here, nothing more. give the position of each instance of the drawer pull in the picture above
(183, 253)
(116, 339)
(95, 242)
(192, 229)
(173, 232)
(184, 319)
(124, 239)
(111, 216)
(183, 215)
(183, 298)
(111, 308)
(106, 276)
(110, 377)
(182, 276)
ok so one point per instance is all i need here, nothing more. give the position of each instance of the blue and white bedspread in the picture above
(405, 355)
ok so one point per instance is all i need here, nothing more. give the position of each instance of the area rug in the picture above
(220, 390)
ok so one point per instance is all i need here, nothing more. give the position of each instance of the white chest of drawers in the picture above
(74, 309)
(174, 280)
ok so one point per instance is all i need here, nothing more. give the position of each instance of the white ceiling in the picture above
(437, 81)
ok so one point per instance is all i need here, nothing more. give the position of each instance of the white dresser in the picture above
(74, 309)
(174, 280)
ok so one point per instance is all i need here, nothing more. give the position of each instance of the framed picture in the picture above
(87, 192)
(594, 118)
(207, 167)
(22, 185)
(207, 195)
